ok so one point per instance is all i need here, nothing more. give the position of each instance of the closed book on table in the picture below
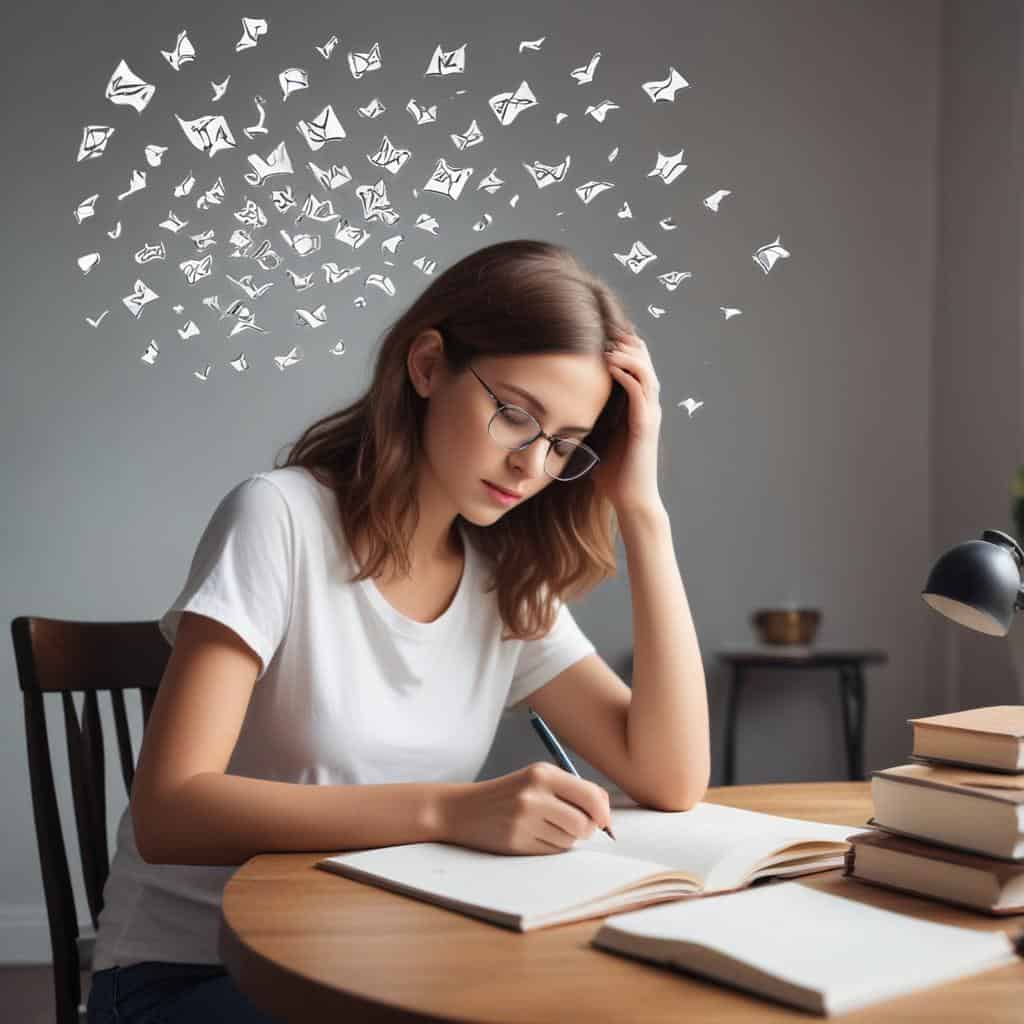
(924, 869)
(814, 950)
(991, 737)
(980, 812)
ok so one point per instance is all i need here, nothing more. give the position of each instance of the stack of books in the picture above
(950, 824)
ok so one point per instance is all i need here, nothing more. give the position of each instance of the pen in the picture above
(556, 751)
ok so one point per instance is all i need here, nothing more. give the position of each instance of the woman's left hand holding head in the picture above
(627, 474)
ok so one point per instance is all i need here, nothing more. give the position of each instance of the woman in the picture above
(356, 620)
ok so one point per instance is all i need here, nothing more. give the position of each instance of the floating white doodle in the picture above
(624, 212)
(302, 244)
(690, 404)
(312, 318)
(447, 62)
(173, 223)
(292, 80)
(183, 53)
(205, 239)
(253, 291)
(389, 156)
(88, 261)
(531, 44)
(196, 270)
(253, 29)
(381, 281)
(86, 208)
(425, 263)
(667, 224)
(213, 196)
(219, 88)
(372, 109)
(152, 351)
(447, 180)
(712, 201)
(94, 141)
(547, 174)
(126, 89)
(730, 311)
(637, 258)
(766, 255)
(665, 91)
(471, 137)
(283, 198)
(656, 311)
(333, 274)
(422, 115)
(507, 106)
(334, 177)
(115, 231)
(141, 296)
(668, 168)
(376, 205)
(151, 251)
(135, 184)
(185, 186)
(203, 374)
(252, 214)
(492, 183)
(292, 357)
(600, 112)
(673, 278)
(324, 128)
(277, 162)
(209, 134)
(302, 282)
(327, 49)
(585, 74)
(155, 155)
(351, 235)
(426, 223)
(590, 190)
(241, 364)
(321, 210)
(190, 330)
(259, 128)
(360, 63)
(97, 320)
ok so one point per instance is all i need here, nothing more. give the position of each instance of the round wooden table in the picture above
(307, 946)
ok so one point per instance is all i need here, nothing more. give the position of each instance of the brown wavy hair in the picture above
(510, 298)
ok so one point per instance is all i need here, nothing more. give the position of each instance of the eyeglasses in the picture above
(515, 429)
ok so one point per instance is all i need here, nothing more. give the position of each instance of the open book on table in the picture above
(657, 856)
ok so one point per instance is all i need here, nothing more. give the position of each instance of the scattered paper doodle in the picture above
(668, 168)
(730, 311)
(95, 321)
(447, 62)
(712, 201)
(766, 256)
(94, 141)
(360, 63)
(86, 208)
(585, 74)
(88, 261)
(140, 297)
(507, 106)
(293, 357)
(152, 351)
(637, 258)
(125, 88)
(531, 44)
(209, 134)
(666, 90)
(324, 128)
(155, 155)
(219, 88)
(253, 29)
(183, 51)
(600, 112)
(312, 318)
(259, 128)
(691, 405)
(327, 49)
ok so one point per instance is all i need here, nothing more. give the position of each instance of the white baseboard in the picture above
(25, 935)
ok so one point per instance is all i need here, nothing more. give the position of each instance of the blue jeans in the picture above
(164, 993)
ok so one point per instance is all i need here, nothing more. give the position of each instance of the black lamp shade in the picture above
(977, 583)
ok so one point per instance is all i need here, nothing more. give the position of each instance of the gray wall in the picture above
(859, 416)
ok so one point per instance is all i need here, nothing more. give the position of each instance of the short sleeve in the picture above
(242, 569)
(541, 660)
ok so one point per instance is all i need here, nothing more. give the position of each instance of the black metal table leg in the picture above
(730, 724)
(851, 683)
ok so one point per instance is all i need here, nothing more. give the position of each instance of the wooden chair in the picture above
(55, 656)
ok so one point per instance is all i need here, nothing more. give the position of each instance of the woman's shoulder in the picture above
(296, 484)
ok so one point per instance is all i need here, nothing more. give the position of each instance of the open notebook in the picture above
(656, 856)
(814, 950)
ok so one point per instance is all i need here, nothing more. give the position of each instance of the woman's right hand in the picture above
(538, 809)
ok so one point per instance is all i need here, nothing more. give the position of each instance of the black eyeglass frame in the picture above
(551, 438)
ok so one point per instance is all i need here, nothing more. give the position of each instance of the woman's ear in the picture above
(425, 361)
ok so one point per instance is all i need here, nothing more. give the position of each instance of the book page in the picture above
(512, 885)
(811, 942)
(718, 845)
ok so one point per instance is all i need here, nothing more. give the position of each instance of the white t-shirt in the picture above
(349, 691)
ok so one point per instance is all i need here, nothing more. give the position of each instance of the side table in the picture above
(850, 665)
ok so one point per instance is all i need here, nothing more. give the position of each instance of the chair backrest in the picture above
(55, 656)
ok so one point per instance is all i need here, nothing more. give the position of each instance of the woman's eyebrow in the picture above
(539, 406)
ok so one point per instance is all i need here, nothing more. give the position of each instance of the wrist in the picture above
(440, 810)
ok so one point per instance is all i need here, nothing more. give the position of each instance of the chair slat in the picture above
(124, 740)
(81, 799)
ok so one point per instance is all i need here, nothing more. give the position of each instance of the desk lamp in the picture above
(978, 583)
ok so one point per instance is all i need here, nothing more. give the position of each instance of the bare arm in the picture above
(186, 810)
